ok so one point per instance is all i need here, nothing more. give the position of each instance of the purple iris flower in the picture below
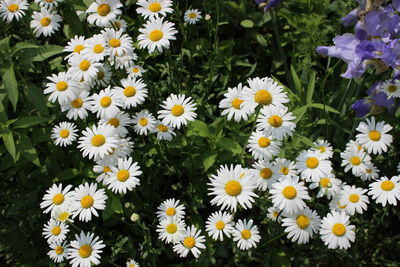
(391, 53)
(370, 49)
(270, 3)
(350, 18)
(361, 107)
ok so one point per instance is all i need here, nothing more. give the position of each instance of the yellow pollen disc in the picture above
(387, 185)
(100, 75)
(114, 122)
(135, 70)
(302, 221)
(155, 7)
(63, 216)
(98, 49)
(368, 170)
(78, 48)
(103, 10)
(13, 8)
(322, 149)
(77, 103)
(189, 242)
(105, 101)
(64, 133)
(220, 225)
(59, 250)
(45, 21)
(114, 43)
(85, 251)
(312, 163)
(374, 135)
(162, 128)
(275, 121)
(87, 201)
(156, 35)
(359, 147)
(170, 212)
(171, 228)
(339, 229)
(132, 265)
(56, 230)
(49, 1)
(275, 214)
(177, 110)
(263, 97)
(341, 207)
(392, 88)
(98, 140)
(355, 161)
(192, 15)
(106, 169)
(84, 65)
(246, 234)
(289, 192)
(354, 198)
(58, 199)
(264, 142)
(284, 170)
(236, 103)
(122, 175)
(233, 188)
(129, 91)
(143, 122)
(61, 86)
(324, 182)
(266, 173)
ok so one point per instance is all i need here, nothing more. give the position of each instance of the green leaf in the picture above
(30, 121)
(10, 82)
(5, 44)
(208, 158)
(310, 89)
(9, 142)
(22, 46)
(39, 54)
(67, 174)
(279, 259)
(229, 145)
(261, 40)
(296, 80)
(322, 106)
(35, 96)
(247, 23)
(200, 128)
(305, 140)
(72, 19)
(28, 151)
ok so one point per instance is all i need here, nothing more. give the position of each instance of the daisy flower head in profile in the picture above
(276, 121)
(192, 242)
(83, 69)
(102, 12)
(87, 201)
(150, 9)
(120, 122)
(230, 188)
(192, 16)
(386, 190)
(64, 133)
(58, 251)
(74, 46)
(302, 225)
(55, 231)
(219, 224)
(156, 35)
(85, 250)
(286, 167)
(324, 147)
(48, 4)
(132, 93)
(106, 104)
(170, 208)
(233, 104)
(263, 147)
(327, 186)
(135, 71)
(264, 92)
(177, 110)
(246, 234)
(13, 9)
(164, 132)
(289, 195)
(143, 122)
(373, 136)
(56, 196)
(354, 198)
(171, 230)
(336, 230)
(118, 42)
(391, 88)
(132, 263)
(123, 177)
(370, 172)
(61, 88)
(313, 166)
(356, 160)
(103, 169)
(45, 22)
(275, 215)
(78, 106)
(266, 174)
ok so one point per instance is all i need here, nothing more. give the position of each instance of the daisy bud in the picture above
(135, 217)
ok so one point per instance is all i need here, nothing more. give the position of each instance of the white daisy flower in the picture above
(170, 208)
(120, 121)
(88, 200)
(324, 147)
(373, 136)
(75, 46)
(370, 172)
(219, 224)
(353, 145)
(119, 43)
(45, 22)
(106, 104)
(103, 168)
(230, 188)
(124, 149)
(123, 177)
(276, 121)
(143, 122)
(354, 198)
(266, 174)
(171, 230)
(336, 231)
(156, 35)
(132, 93)
(302, 225)
(286, 168)
(313, 166)
(123, 61)
(263, 147)
(177, 110)
(328, 186)
(62, 213)
(103, 76)
(335, 203)
(85, 250)
(56, 196)
(192, 16)
(385, 190)
(135, 71)
(61, 88)
(95, 48)
(64, 134)
(58, 251)
(102, 12)
(132, 263)
(391, 88)
(192, 242)
(78, 106)
(356, 160)
(48, 4)
(246, 234)
(118, 24)
(164, 132)
(289, 195)
(10, 9)
(151, 9)
(55, 231)
(275, 215)
(83, 69)
(233, 104)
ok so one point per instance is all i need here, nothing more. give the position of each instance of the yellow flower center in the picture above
(233, 188)
(264, 142)
(302, 221)
(170, 212)
(59, 250)
(322, 149)
(162, 128)
(284, 170)
(177, 110)
(339, 229)
(85, 251)
(103, 10)
(289, 192)
(355, 161)
(341, 206)
(56, 230)
(324, 182)
(387, 185)
(275, 214)
(13, 8)
(220, 225)
(98, 49)
(236, 103)
(98, 140)
(77, 103)
(246, 234)
(84, 65)
(64, 133)
(122, 175)
(78, 48)
(143, 121)
(192, 15)
(275, 121)
(171, 228)
(87, 201)
(49, 1)
(263, 97)
(189, 242)
(45, 21)
(392, 88)
(105, 101)
(266, 173)
(156, 35)
(155, 7)
(114, 122)
(58, 199)
(135, 70)
(368, 170)
(129, 91)
(374, 135)
(114, 43)
(61, 86)
(354, 198)
(63, 216)
(106, 169)
(100, 75)
(312, 163)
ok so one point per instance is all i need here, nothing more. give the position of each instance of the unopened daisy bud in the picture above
(135, 217)
(207, 17)
(127, 205)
